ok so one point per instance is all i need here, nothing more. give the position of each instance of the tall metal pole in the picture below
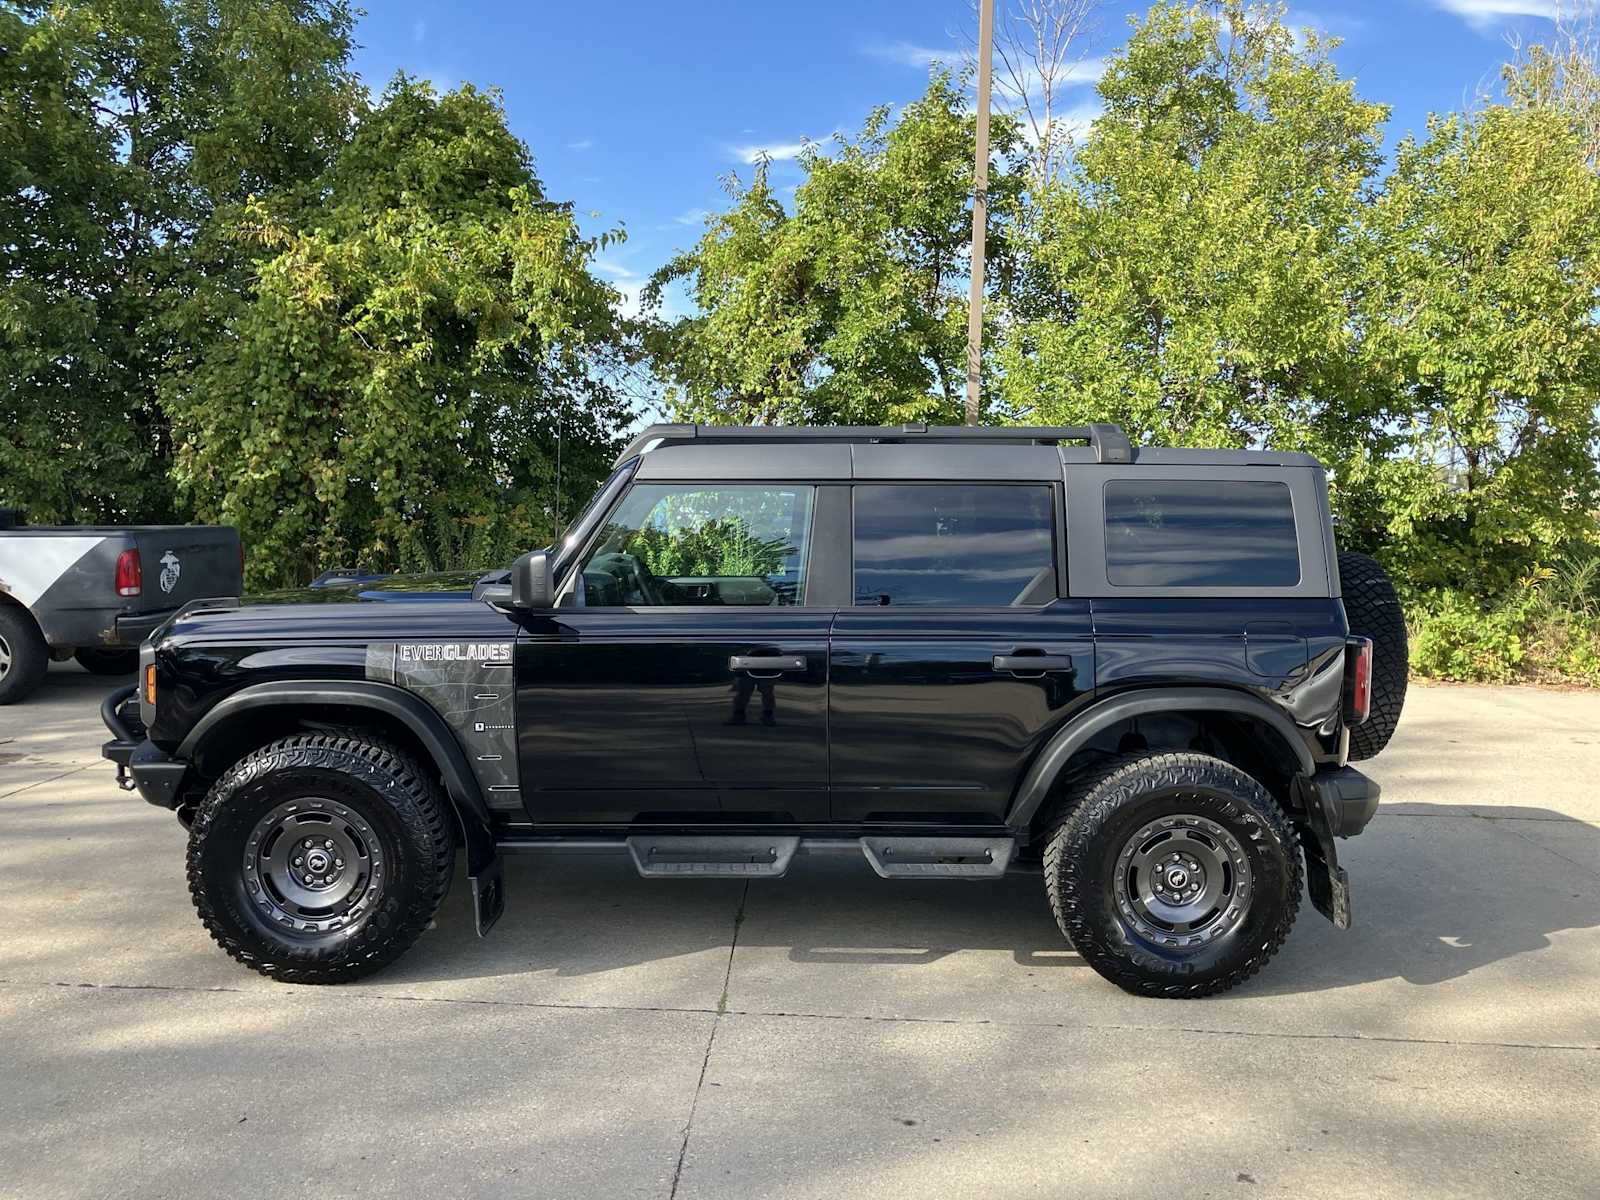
(980, 210)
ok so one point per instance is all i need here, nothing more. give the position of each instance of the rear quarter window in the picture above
(1195, 533)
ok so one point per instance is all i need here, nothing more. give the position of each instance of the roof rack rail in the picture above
(1109, 443)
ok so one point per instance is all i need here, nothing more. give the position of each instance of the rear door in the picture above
(959, 656)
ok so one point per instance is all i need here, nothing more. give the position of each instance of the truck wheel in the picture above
(1173, 875)
(103, 660)
(24, 657)
(320, 858)
(1373, 610)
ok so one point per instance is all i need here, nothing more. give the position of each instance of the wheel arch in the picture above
(1278, 736)
(246, 719)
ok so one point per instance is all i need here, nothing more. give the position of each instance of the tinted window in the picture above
(1200, 533)
(691, 544)
(933, 544)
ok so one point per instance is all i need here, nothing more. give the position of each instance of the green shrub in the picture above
(1547, 629)
(1452, 638)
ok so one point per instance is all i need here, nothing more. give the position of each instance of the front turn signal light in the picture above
(150, 684)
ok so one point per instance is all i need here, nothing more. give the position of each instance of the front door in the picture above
(959, 657)
(682, 678)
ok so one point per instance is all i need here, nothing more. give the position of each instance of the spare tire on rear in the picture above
(1373, 610)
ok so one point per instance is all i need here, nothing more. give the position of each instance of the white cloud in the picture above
(695, 216)
(581, 144)
(1070, 125)
(1074, 74)
(1482, 14)
(908, 55)
(615, 269)
(777, 152)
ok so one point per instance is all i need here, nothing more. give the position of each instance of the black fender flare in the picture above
(461, 785)
(1041, 776)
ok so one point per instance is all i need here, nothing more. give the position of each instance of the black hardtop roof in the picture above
(1105, 443)
(1108, 442)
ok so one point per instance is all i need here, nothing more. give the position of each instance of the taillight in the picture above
(1358, 704)
(130, 574)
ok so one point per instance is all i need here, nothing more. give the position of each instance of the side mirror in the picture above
(532, 585)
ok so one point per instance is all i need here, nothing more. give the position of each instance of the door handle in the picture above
(1032, 666)
(774, 664)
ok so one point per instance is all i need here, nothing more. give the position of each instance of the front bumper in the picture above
(141, 764)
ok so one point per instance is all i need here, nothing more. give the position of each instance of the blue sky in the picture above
(635, 110)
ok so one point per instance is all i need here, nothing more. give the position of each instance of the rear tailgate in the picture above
(186, 562)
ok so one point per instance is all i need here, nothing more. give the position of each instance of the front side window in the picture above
(692, 544)
(968, 545)
(1200, 533)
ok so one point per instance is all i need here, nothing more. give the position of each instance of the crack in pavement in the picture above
(711, 1041)
(723, 1011)
(1586, 868)
(41, 782)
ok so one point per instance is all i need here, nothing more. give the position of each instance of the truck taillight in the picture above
(130, 574)
(1358, 704)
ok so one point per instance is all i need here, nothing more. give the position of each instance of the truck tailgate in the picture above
(186, 562)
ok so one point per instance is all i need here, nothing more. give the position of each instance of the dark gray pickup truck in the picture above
(94, 591)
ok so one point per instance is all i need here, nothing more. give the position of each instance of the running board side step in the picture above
(938, 857)
(669, 856)
(754, 856)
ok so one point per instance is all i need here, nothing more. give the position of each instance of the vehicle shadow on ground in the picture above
(1436, 897)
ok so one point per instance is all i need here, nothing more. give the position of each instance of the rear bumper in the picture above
(132, 628)
(1336, 803)
(109, 627)
(1348, 799)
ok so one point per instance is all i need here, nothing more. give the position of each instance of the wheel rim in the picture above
(312, 866)
(1182, 882)
(5, 657)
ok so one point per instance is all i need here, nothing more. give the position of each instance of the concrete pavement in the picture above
(828, 1034)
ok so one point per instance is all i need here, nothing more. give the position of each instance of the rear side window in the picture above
(989, 545)
(1200, 533)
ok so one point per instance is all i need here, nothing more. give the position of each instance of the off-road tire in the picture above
(1373, 610)
(400, 804)
(104, 660)
(24, 657)
(1107, 806)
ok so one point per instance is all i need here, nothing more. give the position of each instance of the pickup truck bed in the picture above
(96, 591)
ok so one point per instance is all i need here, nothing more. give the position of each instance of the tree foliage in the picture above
(233, 288)
(128, 130)
(401, 343)
(1224, 259)
(852, 308)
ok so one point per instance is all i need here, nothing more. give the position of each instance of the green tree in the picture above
(126, 128)
(1191, 277)
(1480, 310)
(852, 307)
(410, 346)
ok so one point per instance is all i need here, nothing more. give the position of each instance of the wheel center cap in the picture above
(1177, 878)
(318, 861)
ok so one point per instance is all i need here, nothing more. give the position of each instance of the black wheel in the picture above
(1172, 874)
(319, 859)
(1373, 610)
(24, 657)
(103, 660)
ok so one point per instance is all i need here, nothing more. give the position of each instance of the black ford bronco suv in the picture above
(955, 652)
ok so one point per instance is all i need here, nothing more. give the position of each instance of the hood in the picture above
(443, 585)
